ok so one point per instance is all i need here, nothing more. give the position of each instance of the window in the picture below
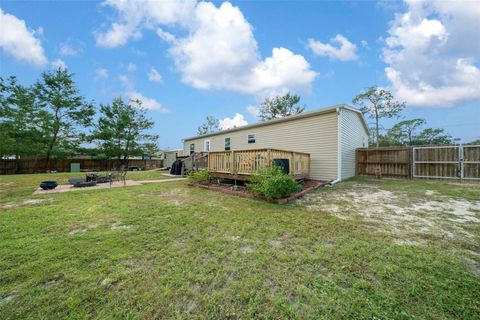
(251, 138)
(227, 144)
(192, 148)
(206, 145)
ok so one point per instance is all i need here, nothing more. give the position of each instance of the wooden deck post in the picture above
(292, 163)
(232, 163)
(269, 158)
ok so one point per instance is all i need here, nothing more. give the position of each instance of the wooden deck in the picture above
(240, 164)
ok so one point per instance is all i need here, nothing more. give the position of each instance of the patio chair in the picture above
(76, 180)
(118, 176)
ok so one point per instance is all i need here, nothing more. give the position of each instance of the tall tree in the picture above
(120, 132)
(210, 125)
(434, 136)
(67, 110)
(378, 103)
(405, 132)
(280, 106)
(411, 133)
(20, 121)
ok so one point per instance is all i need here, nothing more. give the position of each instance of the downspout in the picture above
(339, 146)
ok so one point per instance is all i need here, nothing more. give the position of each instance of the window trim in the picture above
(229, 144)
(254, 138)
(205, 145)
(192, 150)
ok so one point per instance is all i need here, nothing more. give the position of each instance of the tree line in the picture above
(51, 119)
(375, 103)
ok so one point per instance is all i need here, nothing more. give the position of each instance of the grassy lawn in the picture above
(363, 249)
(21, 185)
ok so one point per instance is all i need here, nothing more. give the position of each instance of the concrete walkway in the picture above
(162, 180)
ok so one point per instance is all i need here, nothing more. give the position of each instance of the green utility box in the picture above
(74, 167)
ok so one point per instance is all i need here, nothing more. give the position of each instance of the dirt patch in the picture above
(246, 249)
(471, 265)
(176, 196)
(411, 220)
(118, 225)
(83, 229)
(77, 230)
(26, 202)
(7, 299)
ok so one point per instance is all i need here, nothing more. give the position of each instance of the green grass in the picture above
(20, 185)
(169, 251)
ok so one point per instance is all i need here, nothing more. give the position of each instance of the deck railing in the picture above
(245, 162)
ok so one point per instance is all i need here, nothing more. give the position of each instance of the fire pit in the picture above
(48, 185)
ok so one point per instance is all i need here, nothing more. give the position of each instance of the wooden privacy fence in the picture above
(38, 166)
(447, 162)
(437, 162)
(392, 162)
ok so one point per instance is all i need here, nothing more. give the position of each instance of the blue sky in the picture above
(187, 60)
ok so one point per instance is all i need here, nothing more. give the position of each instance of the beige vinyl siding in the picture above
(353, 135)
(171, 156)
(316, 135)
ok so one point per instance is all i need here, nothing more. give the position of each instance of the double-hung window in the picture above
(206, 145)
(227, 144)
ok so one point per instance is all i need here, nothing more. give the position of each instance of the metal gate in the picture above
(447, 162)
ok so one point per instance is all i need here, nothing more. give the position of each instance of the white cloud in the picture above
(147, 103)
(237, 121)
(165, 36)
(432, 53)
(131, 67)
(59, 64)
(219, 50)
(126, 82)
(345, 50)
(254, 111)
(20, 42)
(221, 53)
(68, 50)
(132, 94)
(155, 76)
(101, 73)
(135, 15)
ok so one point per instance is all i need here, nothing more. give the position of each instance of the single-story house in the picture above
(330, 135)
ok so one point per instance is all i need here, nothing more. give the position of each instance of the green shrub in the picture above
(272, 183)
(201, 176)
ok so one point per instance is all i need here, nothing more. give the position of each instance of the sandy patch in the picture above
(408, 219)
(246, 249)
(176, 196)
(5, 184)
(118, 225)
(83, 229)
(7, 299)
(26, 202)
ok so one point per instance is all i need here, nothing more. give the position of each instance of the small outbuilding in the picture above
(170, 156)
(329, 135)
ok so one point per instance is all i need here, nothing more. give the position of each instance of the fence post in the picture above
(461, 160)
(413, 162)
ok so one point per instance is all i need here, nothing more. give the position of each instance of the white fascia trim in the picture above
(339, 144)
